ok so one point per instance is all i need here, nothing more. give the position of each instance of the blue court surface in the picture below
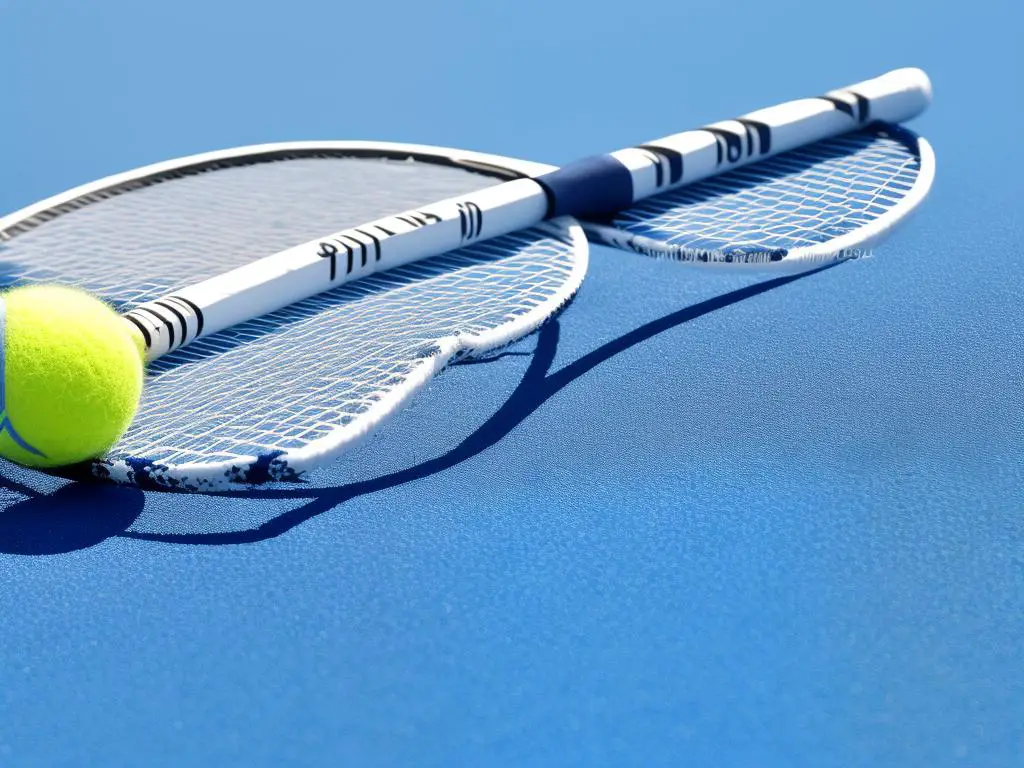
(709, 519)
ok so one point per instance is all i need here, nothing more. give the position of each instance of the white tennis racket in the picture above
(264, 371)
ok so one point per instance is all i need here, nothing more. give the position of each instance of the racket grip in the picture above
(600, 186)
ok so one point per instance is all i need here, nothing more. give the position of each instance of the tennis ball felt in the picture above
(70, 376)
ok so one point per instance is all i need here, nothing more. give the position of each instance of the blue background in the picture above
(726, 522)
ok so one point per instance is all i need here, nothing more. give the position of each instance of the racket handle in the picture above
(599, 186)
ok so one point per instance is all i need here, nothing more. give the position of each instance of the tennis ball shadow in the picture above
(76, 516)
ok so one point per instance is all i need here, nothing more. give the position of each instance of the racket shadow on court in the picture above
(82, 514)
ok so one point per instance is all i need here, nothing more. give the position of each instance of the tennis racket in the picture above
(265, 370)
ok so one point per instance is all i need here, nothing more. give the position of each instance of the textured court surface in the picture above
(701, 520)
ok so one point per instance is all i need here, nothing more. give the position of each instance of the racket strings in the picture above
(307, 372)
(797, 199)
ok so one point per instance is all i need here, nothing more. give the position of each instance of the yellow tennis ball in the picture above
(70, 376)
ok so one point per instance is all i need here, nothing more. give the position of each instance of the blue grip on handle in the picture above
(596, 186)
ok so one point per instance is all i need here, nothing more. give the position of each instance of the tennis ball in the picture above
(70, 376)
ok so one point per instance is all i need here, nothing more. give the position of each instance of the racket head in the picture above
(828, 201)
(270, 399)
